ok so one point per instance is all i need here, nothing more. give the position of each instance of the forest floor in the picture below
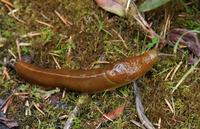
(90, 34)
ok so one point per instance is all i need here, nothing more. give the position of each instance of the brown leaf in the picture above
(113, 114)
(8, 122)
(6, 104)
(186, 37)
(55, 99)
(114, 6)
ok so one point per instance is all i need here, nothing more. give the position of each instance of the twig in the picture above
(37, 107)
(69, 122)
(31, 34)
(159, 123)
(98, 62)
(18, 50)
(54, 54)
(8, 3)
(176, 69)
(170, 106)
(6, 103)
(63, 117)
(127, 6)
(55, 60)
(120, 37)
(21, 93)
(10, 51)
(166, 25)
(138, 124)
(138, 17)
(166, 78)
(140, 109)
(62, 18)
(185, 75)
(44, 23)
(45, 17)
(12, 14)
(147, 28)
(75, 111)
(24, 44)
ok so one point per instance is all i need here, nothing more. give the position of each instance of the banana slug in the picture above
(111, 76)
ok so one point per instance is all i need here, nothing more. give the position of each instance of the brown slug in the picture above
(112, 76)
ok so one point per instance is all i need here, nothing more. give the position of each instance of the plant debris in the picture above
(113, 6)
(113, 114)
(149, 5)
(110, 116)
(10, 123)
(188, 38)
(140, 109)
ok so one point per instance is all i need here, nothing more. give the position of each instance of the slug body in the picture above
(111, 76)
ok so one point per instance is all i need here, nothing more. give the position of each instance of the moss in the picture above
(94, 35)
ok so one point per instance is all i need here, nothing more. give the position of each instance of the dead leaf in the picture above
(6, 104)
(9, 122)
(113, 6)
(55, 99)
(186, 37)
(113, 114)
(2, 126)
(192, 59)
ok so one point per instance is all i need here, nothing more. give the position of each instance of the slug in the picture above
(111, 76)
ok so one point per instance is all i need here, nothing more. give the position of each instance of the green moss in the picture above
(180, 106)
(91, 38)
(46, 35)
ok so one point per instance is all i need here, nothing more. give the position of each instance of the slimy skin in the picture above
(111, 76)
